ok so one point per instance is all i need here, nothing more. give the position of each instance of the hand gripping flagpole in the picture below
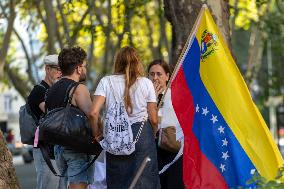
(139, 172)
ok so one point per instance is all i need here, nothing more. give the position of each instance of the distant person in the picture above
(73, 65)
(45, 178)
(159, 73)
(138, 94)
(10, 136)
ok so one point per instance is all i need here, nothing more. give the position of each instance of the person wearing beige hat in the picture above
(52, 69)
(36, 101)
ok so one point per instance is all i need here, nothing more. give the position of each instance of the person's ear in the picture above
(46, 68)
(79, 69)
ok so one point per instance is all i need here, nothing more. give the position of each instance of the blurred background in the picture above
(29, 30)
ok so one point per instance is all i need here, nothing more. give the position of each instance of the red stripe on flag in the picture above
(198, 171)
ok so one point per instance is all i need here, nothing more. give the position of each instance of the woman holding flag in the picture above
(169, 135)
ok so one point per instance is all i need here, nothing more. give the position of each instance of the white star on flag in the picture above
(222, 167)
(205, 111)
(252, 171)
(225, 142)
(197, 108)
(214, 118)
(221, 129)
(225, 155)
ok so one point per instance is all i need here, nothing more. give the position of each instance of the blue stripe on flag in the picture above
(215, 137)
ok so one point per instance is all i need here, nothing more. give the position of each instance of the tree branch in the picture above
(17, 81)
(29, 61)
(37, 3)
(65, 24)
(78, 27)
(7, 36)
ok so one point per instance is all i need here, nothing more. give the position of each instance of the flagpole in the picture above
(188, 41)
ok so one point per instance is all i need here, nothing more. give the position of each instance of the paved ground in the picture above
(25, 173)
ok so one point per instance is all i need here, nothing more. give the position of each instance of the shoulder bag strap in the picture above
(139, 132)
(67, 93)
(44, 150)
(71, 95)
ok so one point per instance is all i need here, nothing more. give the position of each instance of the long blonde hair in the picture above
(127, 62)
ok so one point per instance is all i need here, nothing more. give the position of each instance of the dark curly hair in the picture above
(69, 58)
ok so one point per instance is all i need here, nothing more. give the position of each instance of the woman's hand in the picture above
(98, 138)
(99, 135)
(158, 88)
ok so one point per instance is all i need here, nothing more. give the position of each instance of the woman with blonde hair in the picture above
(138, 94)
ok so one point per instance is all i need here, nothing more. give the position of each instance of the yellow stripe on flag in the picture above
(228, 90)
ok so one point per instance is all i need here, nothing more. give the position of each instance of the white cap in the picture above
(51, 60)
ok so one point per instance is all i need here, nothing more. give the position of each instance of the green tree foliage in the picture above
(262, 183)
(254, 24)
(100, 27)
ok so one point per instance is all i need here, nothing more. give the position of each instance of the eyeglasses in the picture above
(55, 67)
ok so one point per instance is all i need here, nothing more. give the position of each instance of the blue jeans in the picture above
(45, 178)
(70, 163)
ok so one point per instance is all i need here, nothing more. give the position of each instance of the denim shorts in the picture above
(70, 163)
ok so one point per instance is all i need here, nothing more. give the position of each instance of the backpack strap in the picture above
(113, 92)
(29, 110)
(143, 122)
(41, 85)
(44, 150)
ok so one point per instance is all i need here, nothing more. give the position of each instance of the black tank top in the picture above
(56, 95)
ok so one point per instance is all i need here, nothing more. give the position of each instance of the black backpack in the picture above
(28, 123)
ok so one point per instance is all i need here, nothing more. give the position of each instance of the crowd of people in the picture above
(141, 97)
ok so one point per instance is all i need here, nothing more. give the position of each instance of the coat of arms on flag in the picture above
(225, 137)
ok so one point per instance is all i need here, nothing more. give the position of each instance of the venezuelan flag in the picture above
(225, 137)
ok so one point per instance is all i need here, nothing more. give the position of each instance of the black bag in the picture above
(68, 126)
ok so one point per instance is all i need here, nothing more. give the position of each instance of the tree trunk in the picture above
(256, 46)
(255, 54)
(220, 12)
(163, 37)
(107, 31)
(6, 40)
(8, 178)
(182, 16)
(154, 51)
(50, 26)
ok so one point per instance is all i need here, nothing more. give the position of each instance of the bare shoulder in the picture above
(81, 90)
(81, 97)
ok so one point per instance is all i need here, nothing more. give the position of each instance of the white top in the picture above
(141, 92)
(168, 116)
